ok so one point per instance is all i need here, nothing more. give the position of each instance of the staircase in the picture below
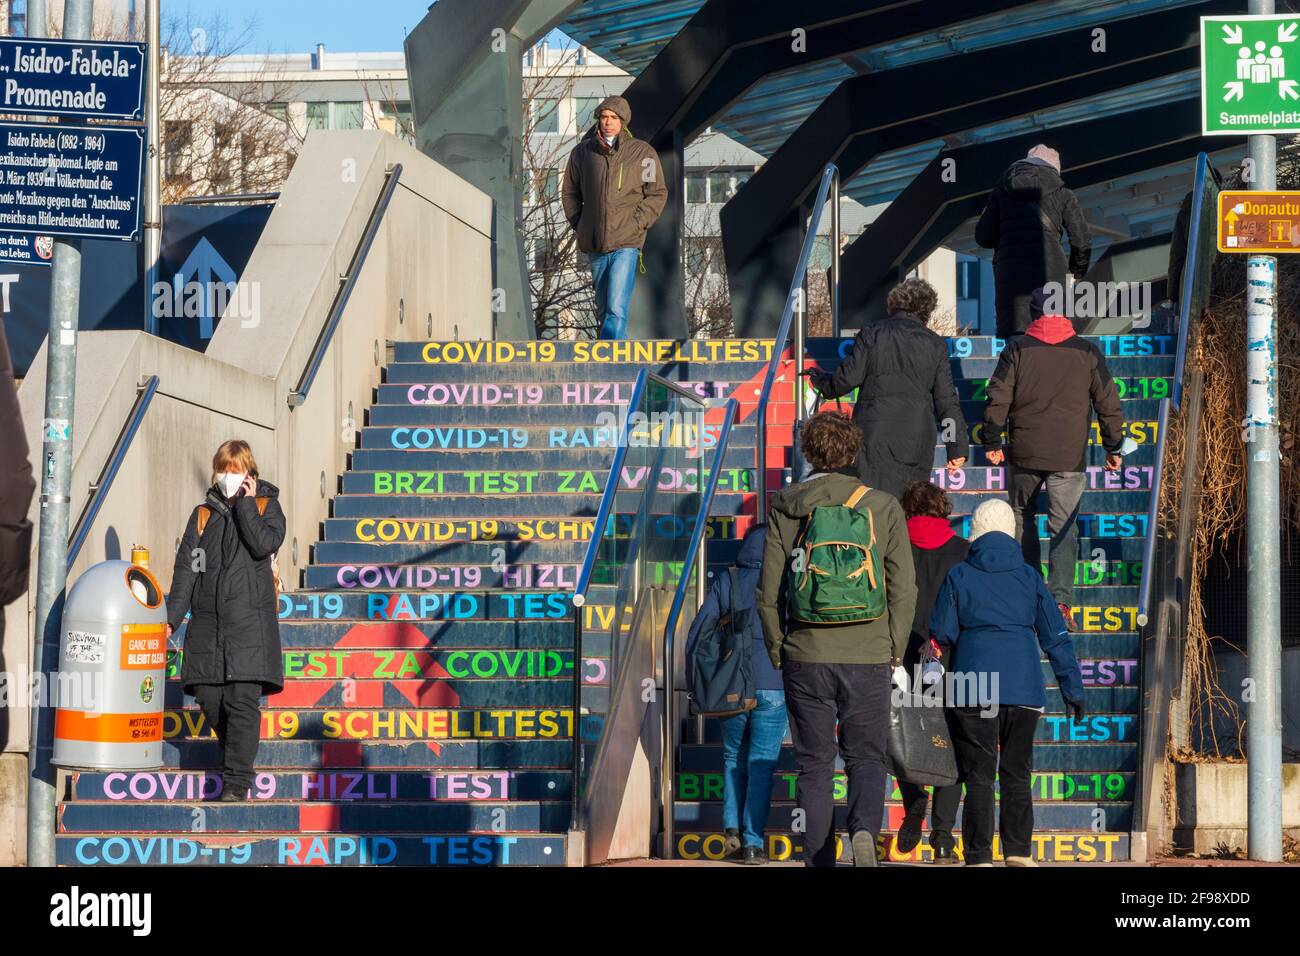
(426, 717)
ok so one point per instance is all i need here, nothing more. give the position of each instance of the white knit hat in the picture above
(994, 515)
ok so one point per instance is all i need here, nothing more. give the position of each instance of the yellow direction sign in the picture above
(1258, 221)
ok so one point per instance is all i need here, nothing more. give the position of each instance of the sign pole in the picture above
(1263, 689)
(56, 484)
(153, 168)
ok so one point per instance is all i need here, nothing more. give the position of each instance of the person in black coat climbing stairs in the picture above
(904, 381)
(225, 578)
(1027, 212)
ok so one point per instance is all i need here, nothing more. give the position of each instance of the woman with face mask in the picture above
(224, 578)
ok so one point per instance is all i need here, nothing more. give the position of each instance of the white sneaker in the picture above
(1020, 861)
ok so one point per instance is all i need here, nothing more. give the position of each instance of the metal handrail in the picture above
(829, 175)
(99, 488)
(1175, 401)
(347, 283)
(607, 497)
(666, 769)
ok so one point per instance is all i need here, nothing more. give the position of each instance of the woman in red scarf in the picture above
(935, 550)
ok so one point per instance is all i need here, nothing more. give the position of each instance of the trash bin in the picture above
(112, 665)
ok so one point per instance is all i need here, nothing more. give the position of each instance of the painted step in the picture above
(597, 460)
(742, 374)
(1047, 847)
(1155, 383)
(430, 635)
(1044, 785)
(313, 817)
(652, 351)
(399, 665)
(586, 504)
(348, 694)
(291, 849)
(538, 482)
(441, 724)
(1054, 727)
(1112, 817)
(417, 605)
(360, 785)
(1102, 757)
(514, 754)
(611, 413)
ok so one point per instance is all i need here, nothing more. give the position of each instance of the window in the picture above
(400, 115)
(697, 188)
(543, 186)
(178, 138)
(222, 175)
(279, 111)
(720, 187)
(546, 115)
(820, 259)
(584, 111)
(545, 255)
(318, 116)
(346, 116)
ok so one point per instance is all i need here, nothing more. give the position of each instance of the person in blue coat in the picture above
(751, 741)
(999, 617)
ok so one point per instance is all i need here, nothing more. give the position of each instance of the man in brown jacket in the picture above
(613, 192)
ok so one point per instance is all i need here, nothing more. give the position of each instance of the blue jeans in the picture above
(748, 763)
(612, 274)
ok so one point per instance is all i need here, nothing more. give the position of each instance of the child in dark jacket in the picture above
(751, 742)
(935, 551)
(996, 613)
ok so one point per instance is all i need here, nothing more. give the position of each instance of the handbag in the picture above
(920, 750)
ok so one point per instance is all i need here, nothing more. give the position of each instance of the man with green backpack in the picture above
(836, 598)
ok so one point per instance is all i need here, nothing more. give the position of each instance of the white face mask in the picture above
(230, 483)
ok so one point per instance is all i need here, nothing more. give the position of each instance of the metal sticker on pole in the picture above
(1259, 221)
(71, 180)
(72, 78)
(1250, 75)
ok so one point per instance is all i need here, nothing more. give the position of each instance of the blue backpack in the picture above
(719, 672)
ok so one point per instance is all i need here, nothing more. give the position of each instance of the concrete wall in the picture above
(430, 264)
(1212, 801)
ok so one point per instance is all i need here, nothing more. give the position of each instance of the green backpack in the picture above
(837, 576)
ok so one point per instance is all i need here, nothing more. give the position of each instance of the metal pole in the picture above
(153, 168)
(835, 253)
(36, 21)
(1263, 543)
(56, 482)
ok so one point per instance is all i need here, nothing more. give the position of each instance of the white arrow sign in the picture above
(1287, 88)
(1286, 32)
(1232, 34)
(1236, 90)
(204, 265)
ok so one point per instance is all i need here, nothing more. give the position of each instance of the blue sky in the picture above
(296, 26)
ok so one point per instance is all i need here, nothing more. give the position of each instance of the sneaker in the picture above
(753, 856)
(1021, 861)
(944, 856)
(1065, 613)
(731, 845)
(864, 848)
(909, 834)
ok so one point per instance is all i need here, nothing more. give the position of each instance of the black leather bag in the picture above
(920, 749)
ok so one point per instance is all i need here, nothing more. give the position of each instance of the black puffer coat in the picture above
(904, 381)
(233, 634)
(1027, 211)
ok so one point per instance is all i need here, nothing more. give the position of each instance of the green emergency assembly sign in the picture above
(1250, 75)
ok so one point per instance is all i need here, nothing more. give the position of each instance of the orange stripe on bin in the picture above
(107, 728)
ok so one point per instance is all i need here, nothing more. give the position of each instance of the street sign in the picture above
(71, 180)
(1250, 75)
(72, 78)
(1258, 221)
